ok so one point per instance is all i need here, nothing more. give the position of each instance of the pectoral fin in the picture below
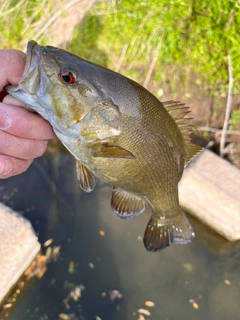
(126, 205)
(86, 179)
(110, 151)
(101, 122)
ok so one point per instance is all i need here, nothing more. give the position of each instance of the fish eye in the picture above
(68, 76)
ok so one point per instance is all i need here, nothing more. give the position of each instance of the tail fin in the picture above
(161, 232)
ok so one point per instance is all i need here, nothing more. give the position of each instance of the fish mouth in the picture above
(32, 54)
(30, 82)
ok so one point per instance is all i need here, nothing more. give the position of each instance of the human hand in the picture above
(23, 134)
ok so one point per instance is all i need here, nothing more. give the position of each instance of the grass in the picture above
(158, 43)
(163, 43)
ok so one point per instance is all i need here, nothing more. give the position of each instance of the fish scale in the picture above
(118, 132)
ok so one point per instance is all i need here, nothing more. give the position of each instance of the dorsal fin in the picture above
(178, 111)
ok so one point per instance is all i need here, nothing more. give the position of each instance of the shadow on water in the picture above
(49, 196)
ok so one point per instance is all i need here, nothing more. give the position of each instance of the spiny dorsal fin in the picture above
(178, 111)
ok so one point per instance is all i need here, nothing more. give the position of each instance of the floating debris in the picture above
(38, 267)
(77, 292)
(74, 294)
(64, 316)
(140, 238)
(150, 304)
(7, 305)
(53, 253)
(145, 312)
(227, 282)
(71, 267)
(98, 318)
(115, 294)
(193, 303)
(103, 294)
(48, 242)
(91, 265)
(101, 233)
(187, 266)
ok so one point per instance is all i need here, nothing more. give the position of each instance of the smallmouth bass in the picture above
(117, 131)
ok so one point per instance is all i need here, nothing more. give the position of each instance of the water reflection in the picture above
(48, 195)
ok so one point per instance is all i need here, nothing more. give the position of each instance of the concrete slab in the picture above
(18, 247)
(210, 191)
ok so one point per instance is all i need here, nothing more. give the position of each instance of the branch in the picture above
(218, 131)
(228, 106)
(120, 60)
(153, 62)
(58, 14)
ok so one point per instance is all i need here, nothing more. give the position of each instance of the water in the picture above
(195, 281)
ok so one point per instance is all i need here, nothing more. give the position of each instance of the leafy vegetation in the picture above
(181, 35)
(235, 120)
(168, 42)
(23, 20)
(158, 43)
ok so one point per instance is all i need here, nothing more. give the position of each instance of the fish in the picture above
(118, 132)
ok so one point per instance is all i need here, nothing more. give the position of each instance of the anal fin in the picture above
(87, 181)
(126, 205)
(161, 232)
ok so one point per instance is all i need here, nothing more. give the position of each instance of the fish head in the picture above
(57, 85)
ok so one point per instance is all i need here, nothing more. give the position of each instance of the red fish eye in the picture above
(68, 77)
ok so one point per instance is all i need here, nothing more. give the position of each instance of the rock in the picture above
(18, 247)
(210, 191)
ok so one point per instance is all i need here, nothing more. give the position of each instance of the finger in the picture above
(23, 123)
(25, 149)
(12, 64)
(10, 100)
(10, 166)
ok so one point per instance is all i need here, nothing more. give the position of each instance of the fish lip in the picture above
(31, 79)
(33, 56)
(30, 65)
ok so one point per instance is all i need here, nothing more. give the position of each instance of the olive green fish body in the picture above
(144, 135)
(118, 132)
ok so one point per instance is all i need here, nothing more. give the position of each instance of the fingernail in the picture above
(4, 119)
(6, 168)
